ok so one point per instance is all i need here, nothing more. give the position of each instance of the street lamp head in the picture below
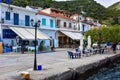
(38, 23)
(32, 22)
(35, 24)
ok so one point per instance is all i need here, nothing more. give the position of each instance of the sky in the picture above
(105, 3)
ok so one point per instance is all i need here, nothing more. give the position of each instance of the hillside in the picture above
(90, 7)
(115, 6)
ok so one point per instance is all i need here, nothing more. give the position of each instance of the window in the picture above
(64, 24)
(51, 23)
(43, 21)
(58, 24)
(8, 33)
(70, 25)
(7, 15)
(16, 19)
(27, 20)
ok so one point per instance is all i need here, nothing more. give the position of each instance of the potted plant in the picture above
(41, 47)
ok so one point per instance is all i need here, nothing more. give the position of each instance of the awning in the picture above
(73, 35)
(28, 33)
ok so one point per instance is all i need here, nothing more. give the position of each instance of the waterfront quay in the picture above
(55, 65)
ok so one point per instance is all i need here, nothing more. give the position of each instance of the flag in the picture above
(8, 1)
(0, 0)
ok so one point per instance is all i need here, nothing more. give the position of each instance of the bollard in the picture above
(25, 75)
(39, 67)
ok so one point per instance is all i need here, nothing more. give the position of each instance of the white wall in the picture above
(67, 23)
(86, 27)
(21, 11)
(48, 18)
(52, 34)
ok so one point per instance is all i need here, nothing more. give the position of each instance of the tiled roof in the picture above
(43, 13)
(55, 15)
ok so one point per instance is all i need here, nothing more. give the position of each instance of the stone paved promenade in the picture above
(11, 64)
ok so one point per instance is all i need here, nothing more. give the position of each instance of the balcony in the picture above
(11, 22)
(66, 28)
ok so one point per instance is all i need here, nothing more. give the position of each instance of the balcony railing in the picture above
(11, 22)
(67, 27)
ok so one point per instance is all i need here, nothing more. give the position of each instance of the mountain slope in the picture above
(90, 7)
(115, 6)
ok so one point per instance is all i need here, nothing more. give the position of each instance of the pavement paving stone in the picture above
(53, 63)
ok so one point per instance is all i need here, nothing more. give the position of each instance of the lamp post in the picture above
(35, 24)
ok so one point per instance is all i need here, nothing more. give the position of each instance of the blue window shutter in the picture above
(27, 20)
(51, 23)
(16, 19)
(7, 15)
(43, 21)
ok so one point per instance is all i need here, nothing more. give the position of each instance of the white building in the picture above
(57, 27)
(48, 27)
(66, 31)
(85, 23)
(15, 21)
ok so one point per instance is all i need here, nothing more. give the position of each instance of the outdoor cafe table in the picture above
(77, 54)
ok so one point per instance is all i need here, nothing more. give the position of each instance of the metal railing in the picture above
(11, 22)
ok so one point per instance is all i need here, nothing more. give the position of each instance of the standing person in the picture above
(114, 47)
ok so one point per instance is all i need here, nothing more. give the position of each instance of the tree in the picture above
(108, 34)
(115, 20)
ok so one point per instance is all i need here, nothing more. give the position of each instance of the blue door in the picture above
(27, 20)
(16, 19)
(53, 45)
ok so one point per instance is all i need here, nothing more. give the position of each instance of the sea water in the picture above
(110, 73)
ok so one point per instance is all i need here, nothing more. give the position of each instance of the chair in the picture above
(71, 54)
(94, 51)
(89, 51)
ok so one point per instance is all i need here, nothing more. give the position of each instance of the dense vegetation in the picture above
(115, 6)
(92, 9)
(107, 34)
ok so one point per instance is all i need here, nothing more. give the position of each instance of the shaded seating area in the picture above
(74, 55)
(77, 53)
